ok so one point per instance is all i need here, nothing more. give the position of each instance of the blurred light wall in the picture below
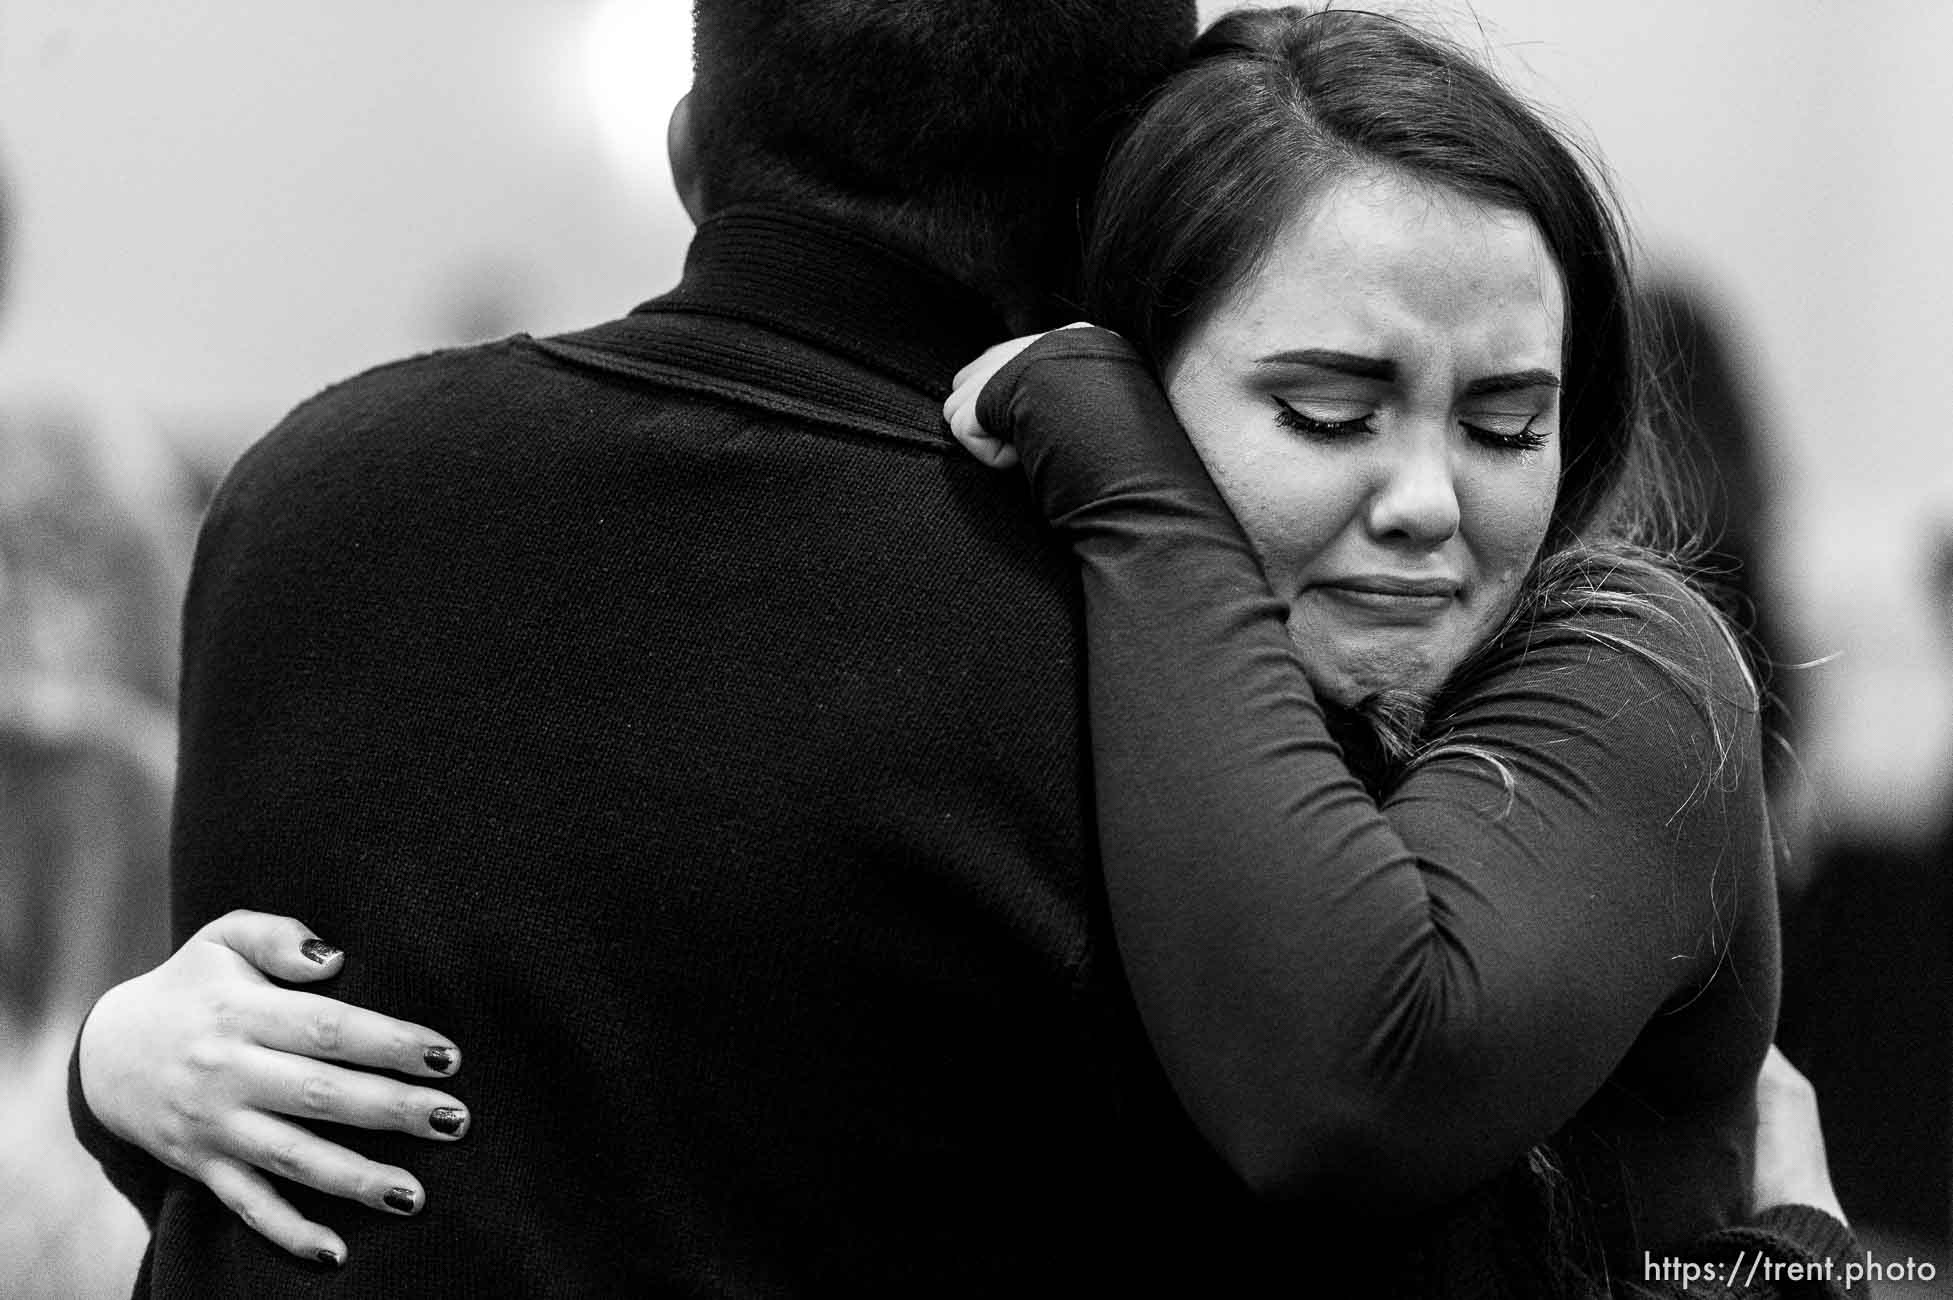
(224, 205)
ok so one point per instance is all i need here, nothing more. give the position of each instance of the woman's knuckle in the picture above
(174, 1152)
(286, 1159)
(317, 1094)
(203, 1057)
(188, 1108)
(328, 1029)
(226, 1018)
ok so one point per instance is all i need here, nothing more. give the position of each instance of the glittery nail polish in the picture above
(318, 950)
(446, 1119)
(439, 1058)
(401, 1199)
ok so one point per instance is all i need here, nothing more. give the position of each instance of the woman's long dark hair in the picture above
(1276, 105)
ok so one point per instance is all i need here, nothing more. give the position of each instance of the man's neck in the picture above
(828, 284)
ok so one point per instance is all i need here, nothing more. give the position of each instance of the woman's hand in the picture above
(961, 408)
(1790, 1165)
(198, 1062)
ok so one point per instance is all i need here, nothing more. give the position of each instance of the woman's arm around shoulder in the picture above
(1384, 1002)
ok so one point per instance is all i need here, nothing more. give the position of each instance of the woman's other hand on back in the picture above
(1790, 1163)
(201, 1061)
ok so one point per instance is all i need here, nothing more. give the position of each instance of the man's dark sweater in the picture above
(672, 714)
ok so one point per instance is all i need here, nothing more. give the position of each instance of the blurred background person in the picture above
(94, 531)
(1734, 473)
(1868, 952)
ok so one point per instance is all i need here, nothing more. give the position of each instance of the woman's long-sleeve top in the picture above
(1561, 924)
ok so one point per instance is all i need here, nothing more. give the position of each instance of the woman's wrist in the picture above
(1090, 422)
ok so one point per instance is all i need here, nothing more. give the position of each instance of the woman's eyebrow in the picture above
(1512, 383)
(1342, 363)
(1379, 368)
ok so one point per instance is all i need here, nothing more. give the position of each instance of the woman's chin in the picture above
(1350, 680)
(1337, 690)
(1347, 665)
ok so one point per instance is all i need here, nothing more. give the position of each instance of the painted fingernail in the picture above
(401, 1199)
(439, 1058)
(446, 1119)
(330, 1257)
(318, 950)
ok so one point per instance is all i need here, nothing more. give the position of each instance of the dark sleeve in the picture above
(1379, 1006)
(1788, 1252)
(132, 1171)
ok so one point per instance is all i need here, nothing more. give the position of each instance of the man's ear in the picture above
(682, 145)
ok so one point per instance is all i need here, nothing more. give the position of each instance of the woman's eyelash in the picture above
(1524, 440)
(1290, 418)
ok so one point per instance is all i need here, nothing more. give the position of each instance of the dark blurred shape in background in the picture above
(1713, 425)
(1868, 965)
(1868, 952)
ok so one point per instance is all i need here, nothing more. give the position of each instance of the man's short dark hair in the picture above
(962, 130)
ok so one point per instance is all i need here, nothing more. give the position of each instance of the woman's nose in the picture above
(1416, 500)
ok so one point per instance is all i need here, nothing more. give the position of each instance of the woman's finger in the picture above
(960, 412)
(270, 1215)
(280, 946)
(278, 1146)
(306, 1024)
(990, 451)
(1788, 1166)
(310, 1089)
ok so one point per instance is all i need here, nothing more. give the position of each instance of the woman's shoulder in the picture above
(1620, 647)
(1643, 605)
(1620, 678)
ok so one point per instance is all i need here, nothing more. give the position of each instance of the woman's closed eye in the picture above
(1331, 420)
(1506, 431)
(1500, 431)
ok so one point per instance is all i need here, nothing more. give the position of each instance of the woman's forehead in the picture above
(1387, 266)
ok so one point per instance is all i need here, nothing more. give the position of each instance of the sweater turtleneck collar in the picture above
(826, 284)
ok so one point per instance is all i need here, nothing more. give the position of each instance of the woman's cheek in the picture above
(1519, 518)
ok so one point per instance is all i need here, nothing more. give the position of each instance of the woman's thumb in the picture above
(280, 946)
